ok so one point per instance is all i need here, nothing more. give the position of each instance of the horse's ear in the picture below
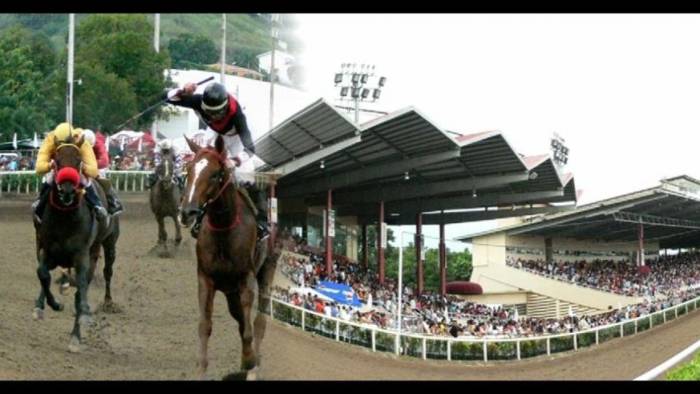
(55, 141)
(193, 145)
(219, 144)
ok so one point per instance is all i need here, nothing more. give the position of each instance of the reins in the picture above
(229, 182)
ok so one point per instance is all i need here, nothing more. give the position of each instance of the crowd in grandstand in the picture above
(667, 274)
(433, 314)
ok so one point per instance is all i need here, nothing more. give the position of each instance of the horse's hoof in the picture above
(38, 314)
(252, 374)
(74, 345)
(86, 321)
(57, 307)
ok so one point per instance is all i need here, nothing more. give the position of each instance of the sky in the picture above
(622, 90)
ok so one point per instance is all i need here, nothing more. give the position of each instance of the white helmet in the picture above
(89, 136)
(165, 144)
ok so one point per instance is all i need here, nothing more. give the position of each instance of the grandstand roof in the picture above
(669, 212)
(407, 161)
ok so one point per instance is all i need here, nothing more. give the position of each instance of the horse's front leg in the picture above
(248, 295)
(206, 304)
(178, 233)
(162, 234)
(44, 276)
(82, 308)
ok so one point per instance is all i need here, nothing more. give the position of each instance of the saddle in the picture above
(248, 200)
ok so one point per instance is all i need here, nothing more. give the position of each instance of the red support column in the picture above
(380, 249)
(365, 247)
(419, 261)
(443, 261)
(329, 241)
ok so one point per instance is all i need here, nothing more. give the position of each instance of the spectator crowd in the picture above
(672, 280)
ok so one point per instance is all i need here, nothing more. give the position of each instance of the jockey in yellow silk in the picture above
(60, 134)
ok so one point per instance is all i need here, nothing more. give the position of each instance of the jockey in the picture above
(102, 156)
(163, 149)
(223, 114)
(89, 170)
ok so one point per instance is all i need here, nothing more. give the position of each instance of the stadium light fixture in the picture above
(365, 93)
(338, 78)
(376, 93)
(382, 81)
(355, 92)
(365, 77)
(355, 78)
(344, 91)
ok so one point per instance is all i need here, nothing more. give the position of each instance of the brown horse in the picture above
(70, 236)
(165, 199)
(227, 260)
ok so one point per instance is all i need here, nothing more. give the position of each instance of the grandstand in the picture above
(398, 169)
(560, 261)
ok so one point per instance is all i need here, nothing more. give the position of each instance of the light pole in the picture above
(357, 84)
(223, 46)
(71, 46)
(156, 46)
(274, 34)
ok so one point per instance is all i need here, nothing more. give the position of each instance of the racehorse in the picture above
(70, 236)
(165, 199)
(227, 259)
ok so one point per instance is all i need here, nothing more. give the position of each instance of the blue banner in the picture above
(340, 293)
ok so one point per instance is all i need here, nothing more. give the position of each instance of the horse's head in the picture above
(67, 161)
(206, 176)
(165, 172)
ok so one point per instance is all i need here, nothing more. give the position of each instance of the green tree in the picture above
(26, 59)
(187, 50)
(120, 46)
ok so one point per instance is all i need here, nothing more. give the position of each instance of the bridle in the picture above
(79, 191)
(223, 185)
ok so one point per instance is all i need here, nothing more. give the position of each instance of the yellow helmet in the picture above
(64, 130)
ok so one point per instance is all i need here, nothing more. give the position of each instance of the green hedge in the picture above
(385, 342)
(436, 349)
(643, 324)
(467, 351)
(11, 182)
(681, 310)
(356, 335)
(412, 347)
(502, 350)
(658, 319)
(670, 315)
(532, 348)
(628, 328)
(585, 339)
(561, 344)
(608, 333)
(691, 306)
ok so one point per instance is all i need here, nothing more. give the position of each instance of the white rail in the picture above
(27, 182)
(491, 348)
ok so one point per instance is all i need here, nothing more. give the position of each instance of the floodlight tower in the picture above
(356, 81)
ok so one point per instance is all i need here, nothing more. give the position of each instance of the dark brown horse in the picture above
(70, 236)
(226, 252)
(165, 199)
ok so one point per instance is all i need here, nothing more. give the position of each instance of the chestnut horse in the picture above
(227, 260)
(70, 236)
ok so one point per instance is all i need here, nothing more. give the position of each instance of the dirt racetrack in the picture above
(153, 334)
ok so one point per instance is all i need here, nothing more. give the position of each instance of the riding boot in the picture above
(40, 203)
(94, 201)
(260, 199)
(115, 206)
